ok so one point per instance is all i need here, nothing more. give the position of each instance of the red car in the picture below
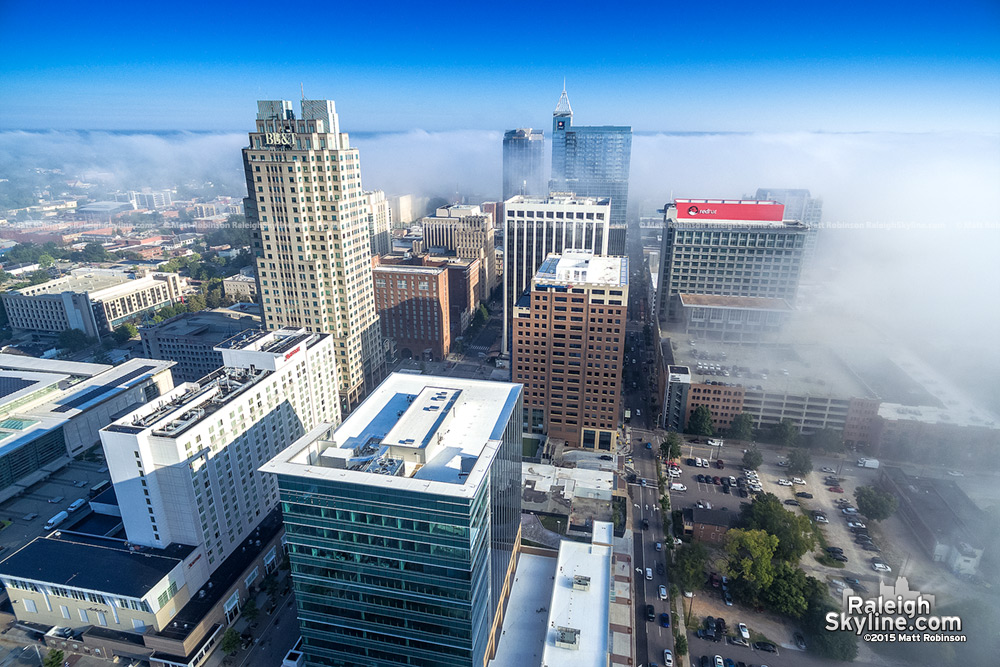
(835, 489)
(720, 464)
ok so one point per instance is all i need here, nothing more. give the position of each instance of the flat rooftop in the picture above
(17, 362)
(580, 607)
(557, 199)
(941, 505)
(744, 302)
(796, 370)
(104, 564)
(584, 268)
(524, 627)
(409, 269)
(207, 324)
(414, 432)
(78, 283)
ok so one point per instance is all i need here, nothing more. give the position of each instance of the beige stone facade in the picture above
(312, 225)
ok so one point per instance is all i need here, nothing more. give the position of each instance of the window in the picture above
(29, 605)
(83, 616)
(251, 577)
(102, 619)
(65, 610)
(138, 625)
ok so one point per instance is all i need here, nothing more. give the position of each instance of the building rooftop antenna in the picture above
(302, 88)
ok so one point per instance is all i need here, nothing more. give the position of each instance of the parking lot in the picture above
(29, 512)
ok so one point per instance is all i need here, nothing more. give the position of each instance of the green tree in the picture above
(689, 566)
(54, 658)
(125, 332)
(875, 504)
(786, 433)
(742, 427)
(671, 447)
(73, 340)
(788, 593)
(230, 641)
(701, 421)
(94, 252)
(752, 458)
(250, 610)
(45, 260)
(748, 556)
(794, 532)
(681, 644)
(800, 462)
(837, 645)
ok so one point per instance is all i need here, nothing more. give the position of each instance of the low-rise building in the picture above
(240, 288)
(52, 410)
(92, 301)
(943, 520)
(190, 340)
(705, 525)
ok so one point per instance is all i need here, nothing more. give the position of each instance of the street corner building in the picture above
(403, 524)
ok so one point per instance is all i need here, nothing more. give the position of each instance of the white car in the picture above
(849, 510)
(955, 473)
(821, 519)
(798, 480)
(856, 524)
(881, 567)
(663, 592)
(744, 633)
(668, 658)
(784, 482)
(827, 469)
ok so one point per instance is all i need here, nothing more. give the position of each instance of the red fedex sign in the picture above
(720, 209)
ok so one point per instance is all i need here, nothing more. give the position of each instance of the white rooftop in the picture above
(584, 611)
(557, 198)
(584, 267)
(414, 432)
(18, 362)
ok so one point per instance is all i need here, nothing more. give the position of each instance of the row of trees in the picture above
(785, 433)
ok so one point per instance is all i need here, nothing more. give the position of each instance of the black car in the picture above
(791, 502)
(766, 647)
(725, 489)
(650, 613)
(839, 557)
(834, 550)
(659, 568)
(690, 462)
(710, 622)
(859, 531)
(706, 661)
(870, 547)
(720, 625)
(701, 479)
(605, 457)
(743, 493)
(800, 641)
(631, 478)
(803, 494)
(645, 524)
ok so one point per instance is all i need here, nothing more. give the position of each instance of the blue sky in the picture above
(694, 66)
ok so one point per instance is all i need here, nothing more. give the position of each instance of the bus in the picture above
(628, 416)
(99, 487)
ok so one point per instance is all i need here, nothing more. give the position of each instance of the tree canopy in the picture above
(690, 565)
(748, 556)
(800, 462)
(742, 427)
(752, 458)
(124, 332)
(701, 421)
(875, 504)
(785, 433)
(671, 447)
(794, 532)
(73, 340)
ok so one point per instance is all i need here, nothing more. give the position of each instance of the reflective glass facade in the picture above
(385, 576)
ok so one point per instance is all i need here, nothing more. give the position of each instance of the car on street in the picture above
(798, 480)
(668, 658)
(855, 524)
(784, 482)
(650, 613)
(725, 489)
(827, 469)
(839, 557)
(835, 489)
(705, 661)
(800, 641)
(849, 510)
(659, 568)
(730, 663)
(645, 524)
(659, 546)
(649, 445)
(767, 647)
(834, 550)
(662, 591)
(717, 481)
(852, 581)
(718, 661)
(782, 464)
(791, 502)
(880, 565)
(744, 632)
(819, 518)
(803, 494)
(605, 457)
(665, 620)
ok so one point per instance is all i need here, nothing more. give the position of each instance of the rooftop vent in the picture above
(568, 638)
(581, 583)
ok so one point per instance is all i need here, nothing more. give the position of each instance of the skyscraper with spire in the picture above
(310, 221)
(591, 161)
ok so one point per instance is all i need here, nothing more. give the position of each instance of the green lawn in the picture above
(529, 447)
(556, 525)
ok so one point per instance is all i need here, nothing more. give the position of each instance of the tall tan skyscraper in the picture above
(568, 345)
(311, 222)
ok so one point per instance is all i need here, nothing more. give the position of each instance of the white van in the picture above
(77, 504)
(678, 487)
(649, 574)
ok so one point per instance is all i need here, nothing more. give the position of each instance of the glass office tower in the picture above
(523, 162)
(591, 161)
(403, 524)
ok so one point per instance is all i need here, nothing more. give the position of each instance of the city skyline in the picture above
(827, 72)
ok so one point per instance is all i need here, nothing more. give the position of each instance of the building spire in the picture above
(563, 108)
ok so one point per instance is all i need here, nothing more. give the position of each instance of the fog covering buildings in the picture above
(523, 163)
